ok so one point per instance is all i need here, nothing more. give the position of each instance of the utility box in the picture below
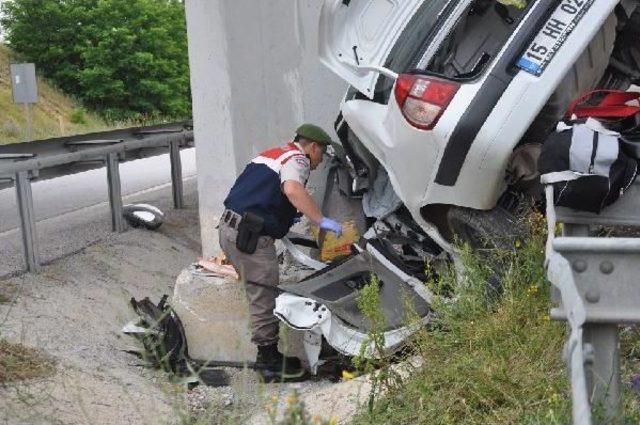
(23, 83)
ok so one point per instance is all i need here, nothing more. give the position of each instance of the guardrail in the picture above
(595, 281)
(22, 163)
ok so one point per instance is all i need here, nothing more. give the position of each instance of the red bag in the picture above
(613, 105)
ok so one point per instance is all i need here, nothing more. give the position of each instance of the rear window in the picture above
(473, 41)
(477, 37)
(405, 54)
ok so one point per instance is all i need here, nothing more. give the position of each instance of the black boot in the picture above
(272, 366)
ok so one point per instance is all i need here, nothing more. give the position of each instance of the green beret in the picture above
(314, 133)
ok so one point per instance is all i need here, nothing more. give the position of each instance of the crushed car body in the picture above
(326, 304)
(440, 129)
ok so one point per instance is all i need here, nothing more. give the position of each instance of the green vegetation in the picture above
(53, 115)
(295, 413)
(126, 59)
(380, 372)
(490, 362)
(78, 116)
(18, 363)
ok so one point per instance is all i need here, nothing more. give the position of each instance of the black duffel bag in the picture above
(586, 166)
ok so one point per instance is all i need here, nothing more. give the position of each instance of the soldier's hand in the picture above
(331, 225)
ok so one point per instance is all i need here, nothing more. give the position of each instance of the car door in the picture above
(356, 36)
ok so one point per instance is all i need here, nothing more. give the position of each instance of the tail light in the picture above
(423, 99)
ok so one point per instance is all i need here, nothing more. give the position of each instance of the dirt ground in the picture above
(74, 311)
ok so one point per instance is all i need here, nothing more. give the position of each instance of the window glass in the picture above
(477, 38)
(473, 42)
(405, 53)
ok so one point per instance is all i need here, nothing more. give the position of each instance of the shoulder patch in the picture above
(302, 160)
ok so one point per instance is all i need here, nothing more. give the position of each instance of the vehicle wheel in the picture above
(489, 233)
(584, 76)
(484, 230)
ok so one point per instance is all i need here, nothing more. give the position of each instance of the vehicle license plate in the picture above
(553, 35)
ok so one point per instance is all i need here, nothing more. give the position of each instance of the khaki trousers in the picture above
(261, 267)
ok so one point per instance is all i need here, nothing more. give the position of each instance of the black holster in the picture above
(249, 231)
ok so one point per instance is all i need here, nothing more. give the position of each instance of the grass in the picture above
(18, 363)
(55, 114)
(492, 362)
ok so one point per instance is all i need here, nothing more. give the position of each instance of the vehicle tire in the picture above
(490, 234)
(484, 230)
(584, 76)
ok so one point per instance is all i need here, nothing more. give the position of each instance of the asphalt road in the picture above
(73, 212)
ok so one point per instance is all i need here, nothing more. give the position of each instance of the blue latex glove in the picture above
(331, 225)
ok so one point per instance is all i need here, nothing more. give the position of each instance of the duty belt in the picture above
(231, 218)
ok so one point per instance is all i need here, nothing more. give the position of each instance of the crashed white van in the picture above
(448, 104)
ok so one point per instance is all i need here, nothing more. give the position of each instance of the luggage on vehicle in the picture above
(617, 110)
(590, 162)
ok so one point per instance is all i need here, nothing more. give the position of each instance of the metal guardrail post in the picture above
(603, 377)
(115, 193)
(176, 174)
(24, 199)
(23, 161)
(596, 278)
(603, 369)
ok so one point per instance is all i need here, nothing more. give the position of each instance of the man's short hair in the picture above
(306, 142)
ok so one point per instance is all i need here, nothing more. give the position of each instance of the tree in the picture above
(124, 58)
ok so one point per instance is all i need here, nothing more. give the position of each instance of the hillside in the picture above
(54, 115)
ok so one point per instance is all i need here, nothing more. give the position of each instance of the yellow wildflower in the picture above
(346, 375)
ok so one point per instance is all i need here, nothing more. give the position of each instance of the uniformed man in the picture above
(260, 208)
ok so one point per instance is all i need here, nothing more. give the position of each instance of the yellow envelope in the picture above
(334, 246)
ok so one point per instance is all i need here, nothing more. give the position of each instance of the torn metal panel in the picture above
(337, 287)
(325, 304)
(301, 257)
(307, 314)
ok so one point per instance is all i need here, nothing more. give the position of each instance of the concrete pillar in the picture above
(211, 96)
(255, 76)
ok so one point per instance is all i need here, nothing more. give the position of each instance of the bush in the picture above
(124, 58)
(78, 116)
